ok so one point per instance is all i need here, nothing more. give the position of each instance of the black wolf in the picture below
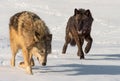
(78, 29)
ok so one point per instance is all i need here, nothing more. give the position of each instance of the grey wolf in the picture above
(29, 33)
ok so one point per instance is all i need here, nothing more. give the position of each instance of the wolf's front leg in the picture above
(67, 41)
(89, 44)
(27, 61)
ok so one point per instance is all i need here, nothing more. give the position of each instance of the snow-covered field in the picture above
(101, 64)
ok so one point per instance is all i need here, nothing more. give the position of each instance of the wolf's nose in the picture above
(44, 64)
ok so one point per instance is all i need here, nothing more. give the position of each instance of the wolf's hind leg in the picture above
(14, 50)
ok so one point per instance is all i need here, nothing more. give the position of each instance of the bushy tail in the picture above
(72, 43)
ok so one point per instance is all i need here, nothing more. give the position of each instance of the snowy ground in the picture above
(101, 64)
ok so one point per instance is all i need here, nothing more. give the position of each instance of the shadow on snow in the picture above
(104, 57)
(80, 69)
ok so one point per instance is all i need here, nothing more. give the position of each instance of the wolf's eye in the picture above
(42, 51)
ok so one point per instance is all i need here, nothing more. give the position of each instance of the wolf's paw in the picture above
(12, 63)
(22, 65)
(87, 49)
(29, 70)
(82, 57)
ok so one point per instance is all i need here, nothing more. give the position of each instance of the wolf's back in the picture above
(28, 22)
(26, 25)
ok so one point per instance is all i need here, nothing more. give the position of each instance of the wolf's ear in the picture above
(49, 37)
(88, 13)
(76, 11)
(37, 36)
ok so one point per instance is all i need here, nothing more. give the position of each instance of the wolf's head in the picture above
(83, 19)
(42, 48)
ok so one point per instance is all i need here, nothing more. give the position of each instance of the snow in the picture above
(101, 64)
